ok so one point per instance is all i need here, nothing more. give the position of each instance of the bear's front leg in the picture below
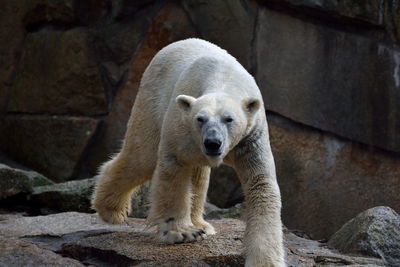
(255, 166)
(171, 202)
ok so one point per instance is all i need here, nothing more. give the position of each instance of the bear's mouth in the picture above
(213, 154)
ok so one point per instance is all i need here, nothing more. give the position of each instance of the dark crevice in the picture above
(96, 256)
(81, 169)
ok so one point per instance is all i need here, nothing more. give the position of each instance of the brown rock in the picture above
(58, 75)
(333, 80)
(49, 144)
(223, 249)
(170, 24)
(325, 180)
(18, 253)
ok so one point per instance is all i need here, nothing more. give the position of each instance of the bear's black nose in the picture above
(212, 146)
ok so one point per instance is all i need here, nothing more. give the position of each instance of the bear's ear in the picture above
(251, 105)
(185, 102)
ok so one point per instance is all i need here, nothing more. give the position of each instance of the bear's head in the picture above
(218, 122)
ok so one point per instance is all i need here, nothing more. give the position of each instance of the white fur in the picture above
(163, 141)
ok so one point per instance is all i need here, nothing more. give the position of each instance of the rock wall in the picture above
(329, 72)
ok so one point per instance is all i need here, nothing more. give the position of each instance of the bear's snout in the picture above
(213, 146)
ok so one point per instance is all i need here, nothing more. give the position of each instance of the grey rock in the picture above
(213, 212)
(56, 225)
(317, 75)
(76, 196)
(14, 181)
(68, 196)
(374, 232)
(16, 253)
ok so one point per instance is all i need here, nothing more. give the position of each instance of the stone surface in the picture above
(68, 196)
(213, 212)
(26, 15)
(229, 24)
(61, 79)
(57, 225)
(15, 253)
(326, 180)
(49, 144)
(169, 25)
(15, 181)
(330, 79)
(374, 232)
(85, 238)
(225, 188)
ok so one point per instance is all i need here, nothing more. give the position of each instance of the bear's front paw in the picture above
(172, 231)
(205, 226)
(176, 237)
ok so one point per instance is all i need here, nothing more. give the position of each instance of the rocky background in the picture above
(329, 72)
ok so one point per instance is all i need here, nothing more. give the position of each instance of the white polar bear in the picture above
(196, 108)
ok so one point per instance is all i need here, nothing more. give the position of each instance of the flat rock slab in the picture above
(56, 225)
(18, 253)
(86, 239)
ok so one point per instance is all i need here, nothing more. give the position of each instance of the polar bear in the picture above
(196, 108)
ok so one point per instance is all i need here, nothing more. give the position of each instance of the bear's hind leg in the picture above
(117, 181)
(200, 181)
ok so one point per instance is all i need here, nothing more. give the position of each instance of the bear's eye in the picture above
(228, 119)
(200, 119)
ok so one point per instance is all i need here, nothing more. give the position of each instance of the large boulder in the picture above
(68, 196)
(51, 145)
(329, 78)
(14, 181)
(320, 173)
(76, 196)
(374, 232)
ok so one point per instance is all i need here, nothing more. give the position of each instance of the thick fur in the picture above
(164, 142)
